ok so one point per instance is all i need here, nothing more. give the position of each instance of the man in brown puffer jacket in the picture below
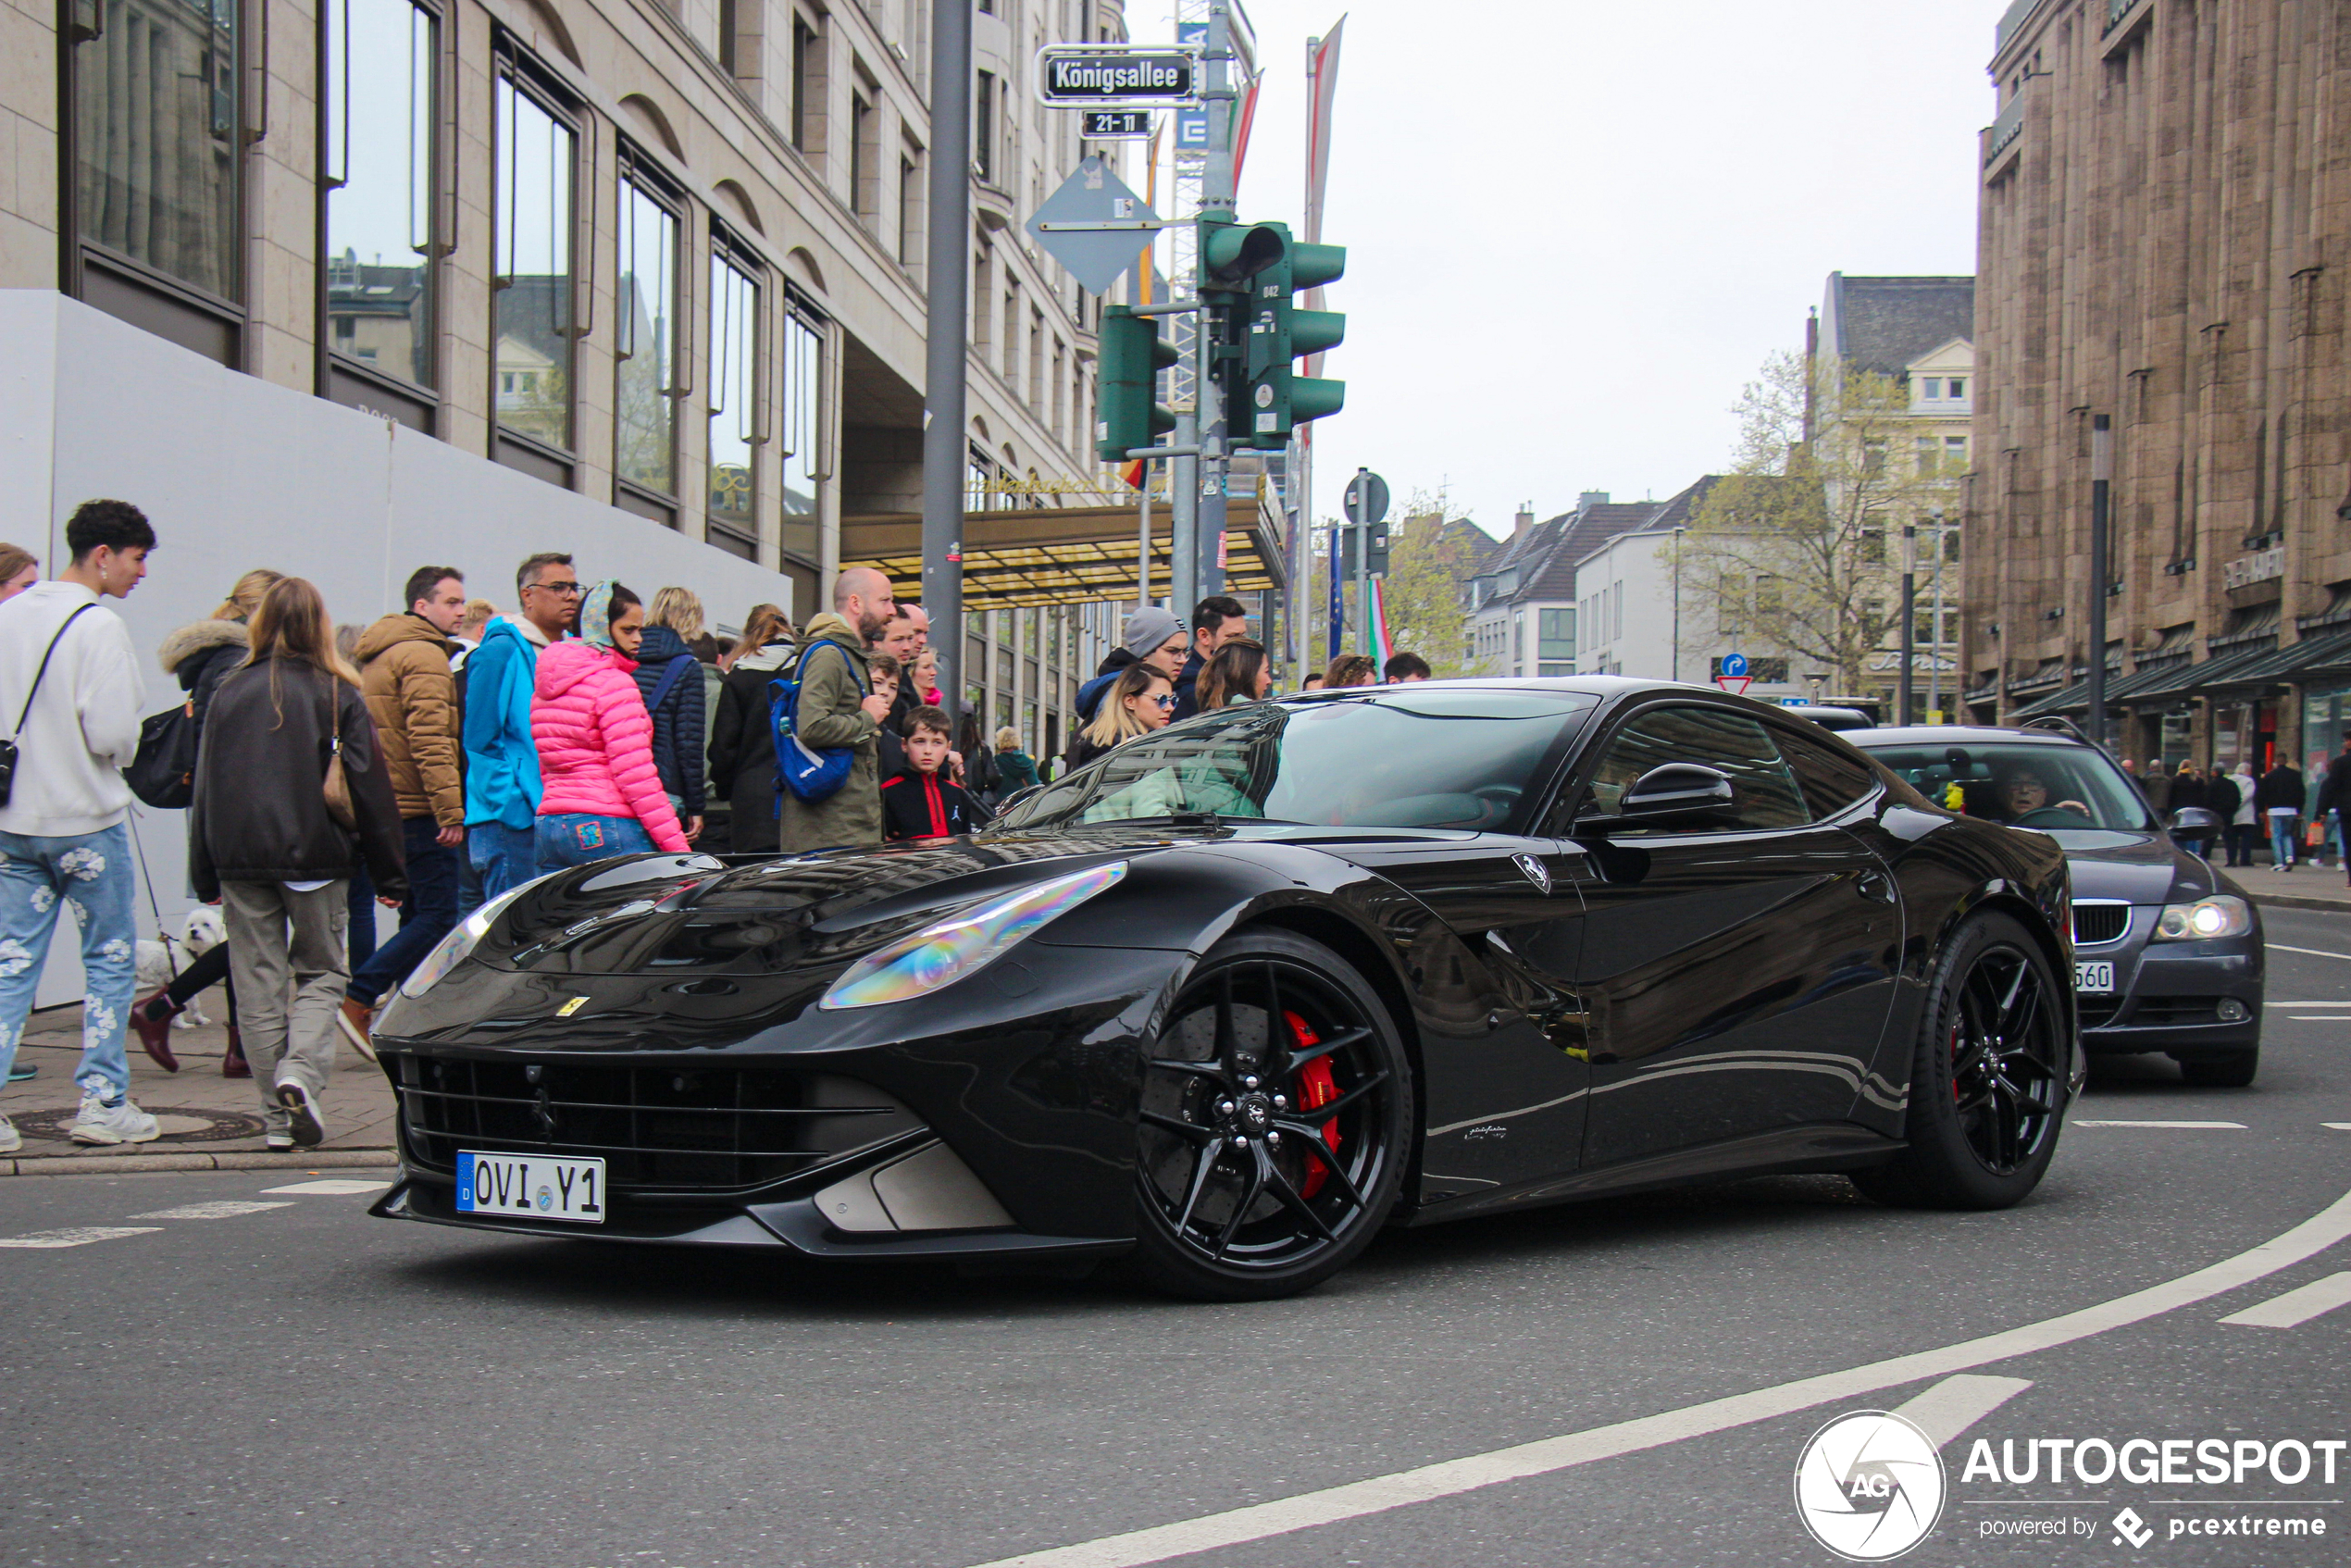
(404, 673)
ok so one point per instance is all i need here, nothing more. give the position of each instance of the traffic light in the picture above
(1260, 329)
(1133, 354)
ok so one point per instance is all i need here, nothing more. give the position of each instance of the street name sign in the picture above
(1094, 224)
(1116, 125)
(1072, 76)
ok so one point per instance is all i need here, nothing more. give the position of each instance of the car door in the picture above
(1504, 1036)
(1734, 972)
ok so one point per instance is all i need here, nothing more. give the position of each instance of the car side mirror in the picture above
(1681, 795)
(2195, 819)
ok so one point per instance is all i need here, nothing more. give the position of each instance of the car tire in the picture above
(2233, 1071)
(1267, 1158)
(1985, 1110)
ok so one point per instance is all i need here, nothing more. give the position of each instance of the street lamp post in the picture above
(1677, 602)
(945, 445)
(2101, 473)
(1909, 620)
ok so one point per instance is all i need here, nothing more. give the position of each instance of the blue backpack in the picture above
(808, 773)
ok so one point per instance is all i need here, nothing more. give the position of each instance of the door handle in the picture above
(1875, 885)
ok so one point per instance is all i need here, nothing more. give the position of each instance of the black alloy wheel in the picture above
(1275, 1115)
(1988, 1081)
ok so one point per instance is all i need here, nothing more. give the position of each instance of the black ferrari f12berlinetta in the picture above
(1224, 1002)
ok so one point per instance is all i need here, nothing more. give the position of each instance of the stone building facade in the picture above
(2166, 205)
(665, 259)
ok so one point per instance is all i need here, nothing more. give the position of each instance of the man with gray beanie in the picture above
(1152, 637)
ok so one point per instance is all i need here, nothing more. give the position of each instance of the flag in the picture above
(1136, 474)
(1383, 646)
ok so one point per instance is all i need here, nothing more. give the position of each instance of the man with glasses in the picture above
(501, 762)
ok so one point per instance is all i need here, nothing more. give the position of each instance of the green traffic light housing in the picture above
(1266, 397)
(1133, 354)
(1232, 254)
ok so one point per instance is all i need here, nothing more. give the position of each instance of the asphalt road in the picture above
(301, 1385)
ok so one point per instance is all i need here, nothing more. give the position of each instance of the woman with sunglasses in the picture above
(1140, 701)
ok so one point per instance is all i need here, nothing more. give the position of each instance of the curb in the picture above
(295, 1160)
(2291, 901)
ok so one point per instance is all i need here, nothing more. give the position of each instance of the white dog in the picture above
(160, 962)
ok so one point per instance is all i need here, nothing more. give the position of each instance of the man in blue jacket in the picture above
(502, 763)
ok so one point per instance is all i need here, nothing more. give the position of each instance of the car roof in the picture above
(1960, 735)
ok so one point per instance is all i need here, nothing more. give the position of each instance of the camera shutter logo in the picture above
(1870, 1486)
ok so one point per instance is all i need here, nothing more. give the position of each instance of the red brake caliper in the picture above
(1316, 1089)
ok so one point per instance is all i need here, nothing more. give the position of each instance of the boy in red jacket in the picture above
(921, 802)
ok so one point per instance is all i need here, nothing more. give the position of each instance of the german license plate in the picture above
(2094, 979)
(533, 1185)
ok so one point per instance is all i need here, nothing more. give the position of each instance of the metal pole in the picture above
(1144, 548)
(1677, 602)
(1216, 205)
(1909, 620)
(2101, 475)
(949, 320)
(1934, 638)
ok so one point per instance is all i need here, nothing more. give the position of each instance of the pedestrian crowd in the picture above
(448, 754)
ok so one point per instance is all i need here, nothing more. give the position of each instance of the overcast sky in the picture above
(1573, 230)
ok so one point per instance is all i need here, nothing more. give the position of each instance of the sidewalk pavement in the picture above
(2307, 885)
(209, 1122)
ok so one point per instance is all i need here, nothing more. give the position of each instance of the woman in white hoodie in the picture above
(2244, 824)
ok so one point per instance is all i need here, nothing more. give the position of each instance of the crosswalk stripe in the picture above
(332, 1185)
(2296, 1307)
(79, 1236)
(2312, 952)
(2193, 1126)
(227, 1209)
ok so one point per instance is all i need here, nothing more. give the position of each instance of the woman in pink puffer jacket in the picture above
(602, 794)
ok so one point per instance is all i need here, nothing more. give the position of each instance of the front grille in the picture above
(689, 1127)
(2097, 922)
(2159, 1012)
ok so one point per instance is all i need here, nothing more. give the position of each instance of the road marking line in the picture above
(1957, 1403)
(2316, 1018)
(2313, 951)
(2193, 1127)
(2296, 1307)
(79, 1236)
(226, 1209)
(2307, 1004)
(2337, 1126)
(332, 1185)
(1450, 1477)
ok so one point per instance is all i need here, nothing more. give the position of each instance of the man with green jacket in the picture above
(838, 709)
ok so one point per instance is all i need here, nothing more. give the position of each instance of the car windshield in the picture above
(1422, 756)
(2055, 787)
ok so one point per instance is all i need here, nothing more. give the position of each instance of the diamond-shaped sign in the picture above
(1098, 258)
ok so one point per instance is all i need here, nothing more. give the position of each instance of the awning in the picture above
(2188, 679)
(1067, 555)
(2296, 662)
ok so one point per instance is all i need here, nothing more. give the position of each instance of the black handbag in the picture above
(8, 747)
(162, 773)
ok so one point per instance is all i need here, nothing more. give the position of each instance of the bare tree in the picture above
(1800, 543)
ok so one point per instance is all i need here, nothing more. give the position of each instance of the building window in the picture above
(1932, 391)
(532, 302)
(1556, 638)
(910, 210)
(157, 143)
(1011, 336)
(862, 158)
(645, 331)
(1956, 388)
(1874, 458)
(1955, 453)
(805, 62)
(803, 422)
(1036, 360)
(1930, 454)
(984, 128)
(735, 430)
(377, 181)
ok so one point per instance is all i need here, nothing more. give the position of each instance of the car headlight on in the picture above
(461, 941)
(946, 950)
(2223, 915)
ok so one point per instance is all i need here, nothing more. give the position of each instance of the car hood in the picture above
(2134, 868)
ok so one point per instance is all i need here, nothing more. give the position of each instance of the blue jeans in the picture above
(504, 858)
(92, 873)
(469, 875)
(2282, 836)
(577, 838)
(429, 915)
(359, 929)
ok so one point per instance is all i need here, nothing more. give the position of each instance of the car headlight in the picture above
(2223, 915)
(461, 941)
(946, 950)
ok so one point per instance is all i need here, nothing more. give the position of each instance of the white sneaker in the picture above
(309, 1127)
(278, 1141)
(10, 1138)
(101, 1123)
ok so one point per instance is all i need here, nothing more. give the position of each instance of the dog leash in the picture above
(154, 908)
